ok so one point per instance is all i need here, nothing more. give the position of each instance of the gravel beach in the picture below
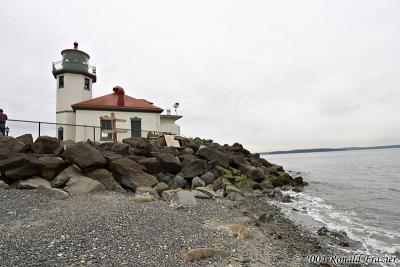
(109, 229)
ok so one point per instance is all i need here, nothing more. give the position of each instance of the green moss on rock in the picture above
(247, 183)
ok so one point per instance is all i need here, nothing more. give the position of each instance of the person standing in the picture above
(3, 119)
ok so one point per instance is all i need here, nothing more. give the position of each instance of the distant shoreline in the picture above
(316, 150)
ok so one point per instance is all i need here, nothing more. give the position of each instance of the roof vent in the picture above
(119, 91)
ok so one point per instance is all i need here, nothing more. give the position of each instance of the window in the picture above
(87, 84)
(105, 125)
(61, 81)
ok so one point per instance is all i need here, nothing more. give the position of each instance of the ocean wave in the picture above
(374, 240)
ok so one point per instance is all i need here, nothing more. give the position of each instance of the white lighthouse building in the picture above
(78, 114)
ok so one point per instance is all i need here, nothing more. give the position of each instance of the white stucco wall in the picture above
(69, 118)
(73, 91)
(150, 122)
(168, 125)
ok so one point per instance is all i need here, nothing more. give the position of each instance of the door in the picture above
(136, 127)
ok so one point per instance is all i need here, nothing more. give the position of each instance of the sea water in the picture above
(354, 191)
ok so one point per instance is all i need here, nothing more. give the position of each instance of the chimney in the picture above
(119, 91)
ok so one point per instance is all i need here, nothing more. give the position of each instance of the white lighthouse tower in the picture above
(74, 78)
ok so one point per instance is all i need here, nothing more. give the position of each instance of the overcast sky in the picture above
(268, 74)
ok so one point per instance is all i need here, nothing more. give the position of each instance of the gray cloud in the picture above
(271, 75)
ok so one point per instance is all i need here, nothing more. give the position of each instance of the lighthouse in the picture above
(74, 79)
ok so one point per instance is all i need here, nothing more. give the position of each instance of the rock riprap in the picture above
(200, 168)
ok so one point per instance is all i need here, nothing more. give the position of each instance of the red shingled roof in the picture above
(117, 101)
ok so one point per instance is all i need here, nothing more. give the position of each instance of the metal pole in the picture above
(39, 129)
(94, 134)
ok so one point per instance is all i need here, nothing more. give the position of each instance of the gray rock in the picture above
(130, 177)
(52, 166)
(199, 194)
(31, 183)
(106, 178)
(4, 185)
(197, 182)
(187, 157)
(27, 140)
(84, 156)
(235, 161)
(153, 165)
(11, 144)
(170, 162)
(213, 155)
(20, 166)
(165, 177)
(82, 185)
(167, 195)
(141, 146)
(187, 150)
(65, 175)
(125, 162)
(111, 156)
(169, 150)
(235, 196)
(177, 182)
(147, 190)
(208, 191)
(183, 199)
(52, 192)
(160, 187)
(193, 168)
(121, 148)
(208, 177)
(46, 145)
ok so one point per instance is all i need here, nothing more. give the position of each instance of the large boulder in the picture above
(31, 183)
(46, 145)
(140, 146)
(197, 182)
(111, 156)
(170, 162)
(20, 166)
(52, 166)
(213, 155)
(193, 168)
(82, 185)
(186, 157)
(208, 177)
(125, 162)
(12, 144)
(131, 177)
(65, 175)
(5, 153)
(177, 182)
(121, 148)
(183, 199)
(235, 161)
(160, 187)
(106, 178)
(165, 177)
(153, 165)
(52, 192)
(27, 140)
(84, 156)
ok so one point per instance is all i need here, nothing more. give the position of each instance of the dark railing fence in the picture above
(41, 128)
